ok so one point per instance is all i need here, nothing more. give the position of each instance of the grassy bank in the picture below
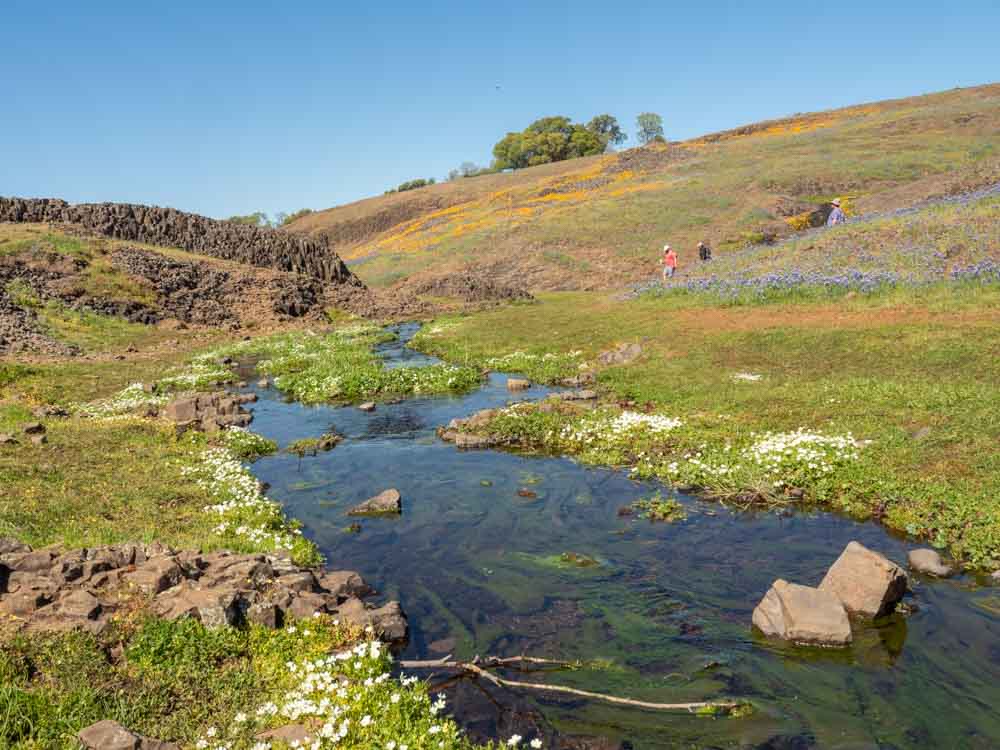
(911, 375)
(215, 689)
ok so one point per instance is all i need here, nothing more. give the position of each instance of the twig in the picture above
(475, 668)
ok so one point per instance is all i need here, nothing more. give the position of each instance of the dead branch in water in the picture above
(480, 668)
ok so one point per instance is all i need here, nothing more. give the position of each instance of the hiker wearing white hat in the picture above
(837, 215)
(669, 262)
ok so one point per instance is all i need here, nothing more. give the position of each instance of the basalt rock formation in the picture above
(55, 589)
(256, 246)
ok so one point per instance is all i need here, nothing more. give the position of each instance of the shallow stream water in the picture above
(476, 567)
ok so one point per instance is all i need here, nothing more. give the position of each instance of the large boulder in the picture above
(802, 614)
(867, 583)
(928, 562)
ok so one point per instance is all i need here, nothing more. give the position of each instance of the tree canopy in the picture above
(552, 139)
(650, 128)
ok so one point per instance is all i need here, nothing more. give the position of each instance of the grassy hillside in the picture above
(600, 221)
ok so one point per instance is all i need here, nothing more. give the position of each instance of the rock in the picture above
(802, 614)
(383, 503)
(306, 605)
(344, 584)
(263, 383)
(367, 406)
(929, 562)
(39, 440)
(33, 428)
(469, 441)
(156, 575)
(108, 735)
(44, 412)
(996, 576)
(208, 412)
(32, 562)
(6, 439)
(582, 395)
(621, 355)
(300, 582)
(80, 603)
(388, 621)
(866, 582)
(9, 546)
(289, 734)
(23, 603)
(264, 613)
(213, 608)
(518, 384)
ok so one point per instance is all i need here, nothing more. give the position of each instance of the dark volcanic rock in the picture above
(256, 246)
(42, 590)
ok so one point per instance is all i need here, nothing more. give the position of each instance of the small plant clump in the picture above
(247, 445)
(659, 508)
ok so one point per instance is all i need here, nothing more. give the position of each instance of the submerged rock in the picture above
(385, 502)
(867, 583)
(928, 562)
(802, 614)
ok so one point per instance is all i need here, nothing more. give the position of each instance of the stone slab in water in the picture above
(867, 583)
(802, 614)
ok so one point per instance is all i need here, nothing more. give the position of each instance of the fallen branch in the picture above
(481, 671)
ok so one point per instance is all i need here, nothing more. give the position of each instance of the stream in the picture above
(477, 568)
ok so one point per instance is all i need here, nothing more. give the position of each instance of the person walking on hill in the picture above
(704, 252)
(669, 262)
(837, 215)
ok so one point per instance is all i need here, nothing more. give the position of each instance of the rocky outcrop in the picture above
(867, 583)
(928, 562)
(256, 246)
(200, 293)
(802, 614)
(209, 412)
(51, 589)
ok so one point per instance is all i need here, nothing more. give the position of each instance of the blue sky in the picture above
(224, 108)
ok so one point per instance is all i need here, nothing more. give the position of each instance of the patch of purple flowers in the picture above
(986, 271)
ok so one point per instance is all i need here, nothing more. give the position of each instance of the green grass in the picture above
(342, 366)
(914, 374)
(181, 682)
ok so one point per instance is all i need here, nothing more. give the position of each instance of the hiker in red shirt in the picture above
(669, 262)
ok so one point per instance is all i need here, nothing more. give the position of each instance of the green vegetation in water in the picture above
(311, 446)
(182, 682)
(578, 560)
(342, 366)
(659, 508)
